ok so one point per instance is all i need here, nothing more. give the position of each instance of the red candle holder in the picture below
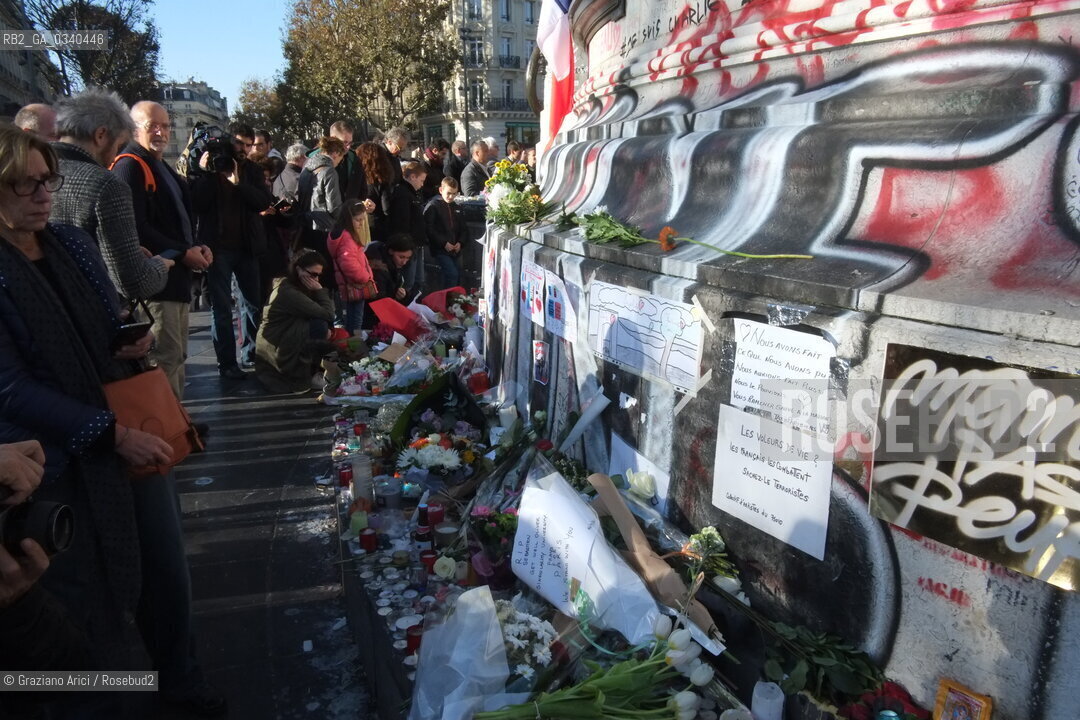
(412, 638)
(368, 540)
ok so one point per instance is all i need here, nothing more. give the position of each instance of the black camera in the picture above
(212, 141)
(51, 525)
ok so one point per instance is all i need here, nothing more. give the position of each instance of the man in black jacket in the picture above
(407, 218)
(446, 232)
(228, 201)
(164, 222)
(457, 160)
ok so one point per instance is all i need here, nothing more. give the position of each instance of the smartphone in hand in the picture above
(130, 334)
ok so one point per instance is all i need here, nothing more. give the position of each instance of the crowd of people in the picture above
(98, 231)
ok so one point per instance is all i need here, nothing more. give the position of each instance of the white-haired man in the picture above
(93, 125)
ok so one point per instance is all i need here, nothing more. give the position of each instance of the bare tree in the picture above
(129, 66)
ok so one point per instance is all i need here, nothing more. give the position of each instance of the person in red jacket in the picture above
(348, 239)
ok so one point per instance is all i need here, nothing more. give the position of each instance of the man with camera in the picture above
(163, 219)
(228, 193)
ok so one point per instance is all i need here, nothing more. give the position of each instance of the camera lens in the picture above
(51, 525)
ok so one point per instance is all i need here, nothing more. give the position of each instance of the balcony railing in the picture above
(510, 61)
(475, 60)
(509, 104)
(488, 105)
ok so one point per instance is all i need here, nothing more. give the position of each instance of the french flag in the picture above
(553, 39)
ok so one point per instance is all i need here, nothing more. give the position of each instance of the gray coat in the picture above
(326, 193)
(473, 178)
(96, 200)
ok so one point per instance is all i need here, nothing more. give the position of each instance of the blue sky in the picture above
(221, 42)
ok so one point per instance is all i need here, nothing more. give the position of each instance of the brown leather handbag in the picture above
(146, 402)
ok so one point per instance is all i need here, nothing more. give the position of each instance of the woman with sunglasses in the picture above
(58, 321)
(295, 329)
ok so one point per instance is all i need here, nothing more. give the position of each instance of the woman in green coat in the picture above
(295, 328)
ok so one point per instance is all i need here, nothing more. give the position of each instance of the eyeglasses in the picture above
(157, 126)
(29, 186)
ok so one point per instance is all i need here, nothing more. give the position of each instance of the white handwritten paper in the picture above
(532, 291)
(506, 293)
(646, 334)
(773, 477)
(560, 313)
(559, 540)
(783, 372)
(490, 251)
(624, 457)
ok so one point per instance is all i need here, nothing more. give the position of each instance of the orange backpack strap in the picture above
(148, 174)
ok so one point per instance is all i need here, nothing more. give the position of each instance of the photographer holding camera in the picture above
(228, 195)
(35, 633)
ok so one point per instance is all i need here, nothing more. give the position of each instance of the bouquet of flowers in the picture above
(434, 453)
(381, 333)
(513, 175)
(512, 198)
(370, 375)
(462, 309)
(527, 639)
(494, 531)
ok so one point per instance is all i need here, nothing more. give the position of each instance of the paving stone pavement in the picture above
(261, 544)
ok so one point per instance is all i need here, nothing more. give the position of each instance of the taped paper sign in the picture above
(774, 477)
(506, 293)
(560, 313)
(532, 291)
(784, 373)
(490, 251)
(648, 335)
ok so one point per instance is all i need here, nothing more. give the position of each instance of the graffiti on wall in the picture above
(983, 457)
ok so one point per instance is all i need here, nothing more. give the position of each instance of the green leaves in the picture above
(385, 61)
(830, 669)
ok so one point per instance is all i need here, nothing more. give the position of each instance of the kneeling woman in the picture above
(295, 327)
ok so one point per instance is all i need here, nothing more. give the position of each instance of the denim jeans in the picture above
(448, 269)
(219, 275)
(354, 315)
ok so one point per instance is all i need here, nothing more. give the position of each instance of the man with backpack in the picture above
(163, 219)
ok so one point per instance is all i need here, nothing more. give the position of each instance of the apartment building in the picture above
(488, 91)
(188, 103)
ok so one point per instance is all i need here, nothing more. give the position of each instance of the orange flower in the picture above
(421, 443)
(667, 238)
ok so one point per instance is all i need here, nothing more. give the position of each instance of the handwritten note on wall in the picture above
(783, 372)
(773, 477)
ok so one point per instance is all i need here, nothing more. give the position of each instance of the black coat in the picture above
(388, 278)
(407, 214)
(157, 218)
(212, 194)
(441, 229)
(351, 178)
(453, 167)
